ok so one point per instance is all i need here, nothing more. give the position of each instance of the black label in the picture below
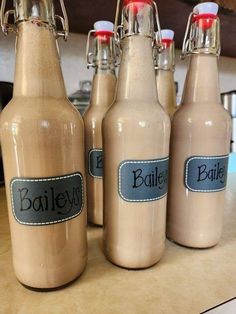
(45, 201)
(143, 180)
(96, 163)
(206, 173)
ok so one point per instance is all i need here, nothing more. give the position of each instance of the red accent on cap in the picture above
(126, 2)
(204, 21)
(104, 36)
(103, 33)
(167, 42)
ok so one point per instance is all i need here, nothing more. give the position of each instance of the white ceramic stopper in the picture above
(167, 34)
(104, 26)
(206, 8)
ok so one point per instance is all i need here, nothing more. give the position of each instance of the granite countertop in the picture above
(184, 281)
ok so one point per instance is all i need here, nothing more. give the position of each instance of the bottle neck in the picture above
(137, 19)
(202, 81)
(166, 90)
(109, 69)
(104, 54)
(136, 80)
(38, 71)
(165, 60)
(37, 10)
(103, 90)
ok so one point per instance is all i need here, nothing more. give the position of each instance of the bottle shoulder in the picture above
(208, 119)
(98, 111)
(200, 112)
(20, 110)
(94, 115)
(131, 111)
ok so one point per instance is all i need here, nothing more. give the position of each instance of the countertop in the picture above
(184, 281)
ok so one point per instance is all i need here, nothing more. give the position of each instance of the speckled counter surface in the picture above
(185, 281)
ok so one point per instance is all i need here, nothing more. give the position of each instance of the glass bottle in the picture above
(200, 140)
(42, 141)
(136, 134)
(165, 65)
(103, 91)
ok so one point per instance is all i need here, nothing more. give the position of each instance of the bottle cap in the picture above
(205, 14)
(167, 34)
(167, 37)
(206, 8)
(104, 26)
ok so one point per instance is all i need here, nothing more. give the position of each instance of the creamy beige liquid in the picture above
(134, 128)
(42, 136)
(166, 91)
(101, 99)
(201, 127)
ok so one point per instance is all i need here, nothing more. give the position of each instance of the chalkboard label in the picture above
(46, 201)
(96, 163)
(143, 180)
(206, 173)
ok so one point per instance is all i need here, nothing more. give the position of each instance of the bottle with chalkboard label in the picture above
(43, 153)
(200, 140)
(136, 133)
(165, 65)
(103, 59)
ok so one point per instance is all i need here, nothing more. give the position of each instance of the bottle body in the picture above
(166, 90)
(200, 131)
(42, 140)
(135, 132)
(102, 96)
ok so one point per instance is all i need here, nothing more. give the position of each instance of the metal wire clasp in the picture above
(6, 27)
(89, 54)
(187, 37)
(116, 26)
(158, 37)
(64, 22)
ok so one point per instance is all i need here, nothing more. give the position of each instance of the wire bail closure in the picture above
(157, 40)
(7, 27)
(90, 54)
(64, 33)
(187, 38)
(191, 44)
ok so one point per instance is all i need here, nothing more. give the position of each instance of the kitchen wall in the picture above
(74, 67)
